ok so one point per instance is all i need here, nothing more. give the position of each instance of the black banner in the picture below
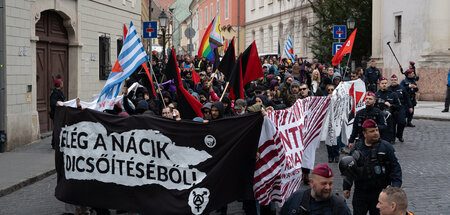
(153, 165)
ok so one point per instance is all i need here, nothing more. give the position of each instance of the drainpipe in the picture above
(2, 80)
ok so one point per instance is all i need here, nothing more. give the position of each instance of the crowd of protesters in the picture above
(284, 82)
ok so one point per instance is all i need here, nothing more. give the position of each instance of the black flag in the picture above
(228, 61)
(152, 165)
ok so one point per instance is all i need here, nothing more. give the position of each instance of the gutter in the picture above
(2, 79)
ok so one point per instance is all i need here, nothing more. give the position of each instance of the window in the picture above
(211, 11)
(226, 9)
(261, 39)
(206, 16)
(218, 6)
(261, 3)
(200, 19)
(398, 28)
(104, 60)
(270, 38)
(119, 45)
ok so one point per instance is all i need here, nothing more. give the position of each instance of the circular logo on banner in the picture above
(210, 141)
(198, 199)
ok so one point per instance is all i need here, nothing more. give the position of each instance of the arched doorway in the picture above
(51, 60)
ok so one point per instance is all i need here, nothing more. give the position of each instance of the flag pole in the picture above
(224, 91)
(212, 77)
(348, 61)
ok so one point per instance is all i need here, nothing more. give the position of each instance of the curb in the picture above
(431, 118)
(26, 182)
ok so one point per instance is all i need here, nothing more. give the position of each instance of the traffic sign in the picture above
(336, 47)
(189, 32)
(150, 29)
(339, 31)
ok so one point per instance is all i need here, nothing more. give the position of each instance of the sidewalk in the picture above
(431, 110)
(25, 165)
(33, 162)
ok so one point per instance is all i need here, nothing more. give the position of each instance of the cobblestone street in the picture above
(423, 158)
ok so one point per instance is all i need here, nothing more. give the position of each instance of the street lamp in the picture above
(351, 23)
(163, 18)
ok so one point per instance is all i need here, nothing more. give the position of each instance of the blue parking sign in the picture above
(150, 30)
(339, 31)
(336, 47)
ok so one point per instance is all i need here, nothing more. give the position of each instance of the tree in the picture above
(336, 12)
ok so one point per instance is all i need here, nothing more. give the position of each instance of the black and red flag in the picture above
(228, 61)
(247, 68)
(188, 106)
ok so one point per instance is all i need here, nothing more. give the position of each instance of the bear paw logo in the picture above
(198, 199)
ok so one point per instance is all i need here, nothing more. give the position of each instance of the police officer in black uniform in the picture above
(375, 166)
(399, 115)
(388, 102)
(370, 112)
(410, 84)
(372, 75)
(318, 199)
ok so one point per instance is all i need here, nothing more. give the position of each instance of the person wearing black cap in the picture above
(410, 84)
(318, 199)
(399, 116)
(377, 167)
(370, 112)
(388, 102)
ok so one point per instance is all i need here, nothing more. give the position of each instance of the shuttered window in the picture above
(104, 59)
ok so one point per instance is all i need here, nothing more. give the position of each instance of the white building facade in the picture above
(46, 38)
(271, 21)
(418, 31)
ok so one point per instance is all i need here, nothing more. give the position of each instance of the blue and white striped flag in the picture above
(289, 49)
(130, 58)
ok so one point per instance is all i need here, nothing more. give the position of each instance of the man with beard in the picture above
(399, 116)
(377, 167)
(318, 199)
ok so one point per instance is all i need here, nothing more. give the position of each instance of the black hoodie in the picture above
(219, 106)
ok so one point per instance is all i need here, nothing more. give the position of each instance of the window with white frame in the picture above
(211, 11)
(206, 16)
(398, 28)
(226, 9)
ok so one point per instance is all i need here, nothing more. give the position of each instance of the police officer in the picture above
(399, 115)
(372, 75)
(410, 84)
(318, 199)
(388, 102)
(376, 168)
(370, 112)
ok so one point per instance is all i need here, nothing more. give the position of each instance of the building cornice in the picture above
(278, 14)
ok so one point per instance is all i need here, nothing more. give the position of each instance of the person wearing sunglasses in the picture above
(304, 91)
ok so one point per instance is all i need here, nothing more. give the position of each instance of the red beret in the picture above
(323, 170)
(58, 81)
(411, 62)
(393, 76)
(369, 123)
(382, 78)
(409, 70)
(370, 93)
(373, 60)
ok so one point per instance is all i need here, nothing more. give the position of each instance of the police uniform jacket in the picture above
(301, 203)
(403, 96)
(367, 113)
(378, 174)
(411, 91)
(372, 75)
(387, 96)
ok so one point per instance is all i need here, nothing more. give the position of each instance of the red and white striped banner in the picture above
(288, 141)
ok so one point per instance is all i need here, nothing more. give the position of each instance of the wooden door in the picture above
(51, 60)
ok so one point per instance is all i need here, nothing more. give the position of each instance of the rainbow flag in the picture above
(215, 36)
(205, 49)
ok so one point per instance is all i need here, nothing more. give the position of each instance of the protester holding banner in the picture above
(57, 95)
(318, 199)
(376, 167)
